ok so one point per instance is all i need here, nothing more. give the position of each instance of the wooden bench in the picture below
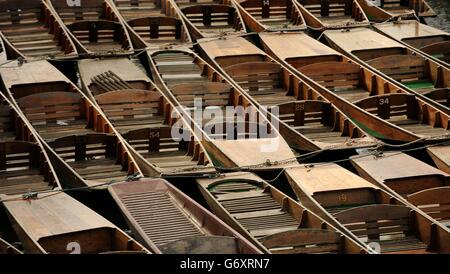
(392, 226)
(89, 10)
(441, 96)
(55, 114)
(325, 8)
(439, 50)
(131, 109)
(153, 28)
(435, 202)
(211, 93)
(388, 105)
(211, 15)
(95, 157)
(23, 168)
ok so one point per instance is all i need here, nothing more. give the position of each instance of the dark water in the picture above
(442, 8)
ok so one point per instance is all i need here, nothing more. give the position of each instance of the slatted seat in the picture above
(211, 93)
(100, 35)
(92, 156)
(275, 14)
(325, 8)
(435, 202)
(55, 114)
(389, 225)
(408, 69)
(88, 10)
(33, 30)
(262, 80)
(23, 168)
(161, 29)
(186, 3)
(441, 96)
(132, 9)
(213, 18)
(131, 109)
(342, 78)
(440, 50)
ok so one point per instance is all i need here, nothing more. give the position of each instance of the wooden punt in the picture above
(63, 117)
(335, 14)
(57, 223)
(367, 212)
(138, 111)
(306, 120)
(30, 29)
(431, 41)
(381, 10)
(153, 23)
(167, 221)
(270, 219)
(271, 15)
(409, 68)
(95, 27)
(345, 83)
(441, 157)
(7, 248)
(229, 138)
(422, 185)
(24, 166)
(211, 18)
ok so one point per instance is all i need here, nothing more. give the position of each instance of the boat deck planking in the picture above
(441, 157)
(51, 222)
(270, 219)
(30, 29)
(303, 112)
(168, 221)
(363, 210)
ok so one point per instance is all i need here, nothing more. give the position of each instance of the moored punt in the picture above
(392, 8)
(366, 212)
(412, 70)
(361, 93)
(212, 105)
(261, 15)
(206, 19)
(63, 118)
(167, 221)
(306, 120)
(24, 165)
(429, 40)
(153, 23)
(270, 219)
(7, 248)
(95, 27)
(422, 185)
(30, 29)
(320, 15)
(142, 115)
(56, 223)
(441, 157)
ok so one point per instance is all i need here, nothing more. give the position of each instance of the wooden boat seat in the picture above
(320, 8)
(22, 168)
(178, 67)
(55, 114)
(301, 241)
(278, 14)
(235, 130)
(131, 109)
(202, 245)
(92, 156)
(435, 202)
(389, 225)
(100, 35)
(132, 9)
(159, 148)
(314, 119)
(334, 75)
(408, 69)
(211, 93)
(161, 29)
(441, 96)
(90, 10)
(387, 105)
(439, 50)
(207, 16)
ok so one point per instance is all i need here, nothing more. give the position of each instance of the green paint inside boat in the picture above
(419, 85)
(438, 55)
(373, 133)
